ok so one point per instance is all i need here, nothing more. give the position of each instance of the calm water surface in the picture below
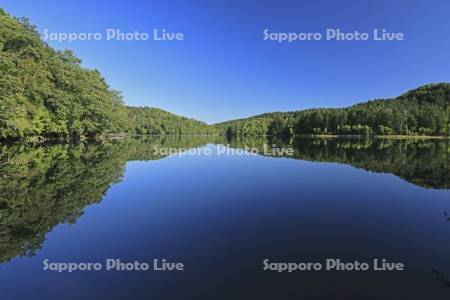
(222, 215)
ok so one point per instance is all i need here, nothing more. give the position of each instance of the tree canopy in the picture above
(44, 92)
(423, 111)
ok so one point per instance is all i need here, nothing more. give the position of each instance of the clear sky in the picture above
(223, 69)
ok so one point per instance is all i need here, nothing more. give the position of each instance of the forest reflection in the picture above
(423, 162)
(41, 187)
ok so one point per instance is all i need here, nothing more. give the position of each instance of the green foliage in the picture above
(47, 93)
(145, 120)
(423, 111)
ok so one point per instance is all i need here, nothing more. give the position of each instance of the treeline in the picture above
(423, 111)
(46, 93)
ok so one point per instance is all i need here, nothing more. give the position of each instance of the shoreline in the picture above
(39, 140)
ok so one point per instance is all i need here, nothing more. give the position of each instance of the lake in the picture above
(225, 214)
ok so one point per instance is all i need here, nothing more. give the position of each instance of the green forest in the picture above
(424, 111)
(47, 94)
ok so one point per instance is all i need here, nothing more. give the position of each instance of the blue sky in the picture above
(223, 69)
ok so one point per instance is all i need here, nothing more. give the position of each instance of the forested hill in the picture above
(47, 94)
(147, 120)
(422, 111)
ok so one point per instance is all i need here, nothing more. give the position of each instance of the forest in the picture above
(424, 111)
(47, 94)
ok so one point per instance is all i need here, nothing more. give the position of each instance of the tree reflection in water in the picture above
(41, 187)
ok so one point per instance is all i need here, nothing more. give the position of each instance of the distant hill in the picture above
(147, 120)
(422, 111)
